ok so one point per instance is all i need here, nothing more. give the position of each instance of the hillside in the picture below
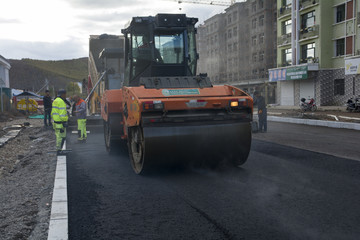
(31, 74)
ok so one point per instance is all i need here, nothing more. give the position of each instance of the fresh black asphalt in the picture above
(280, 193)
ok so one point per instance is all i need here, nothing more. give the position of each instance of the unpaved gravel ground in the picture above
(27, 172)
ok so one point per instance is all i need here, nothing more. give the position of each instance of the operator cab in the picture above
(160, 46)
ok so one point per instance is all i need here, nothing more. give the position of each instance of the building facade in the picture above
(4, 72)
(238, 46)
(314, 39)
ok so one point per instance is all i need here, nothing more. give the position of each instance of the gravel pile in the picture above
(27, 171)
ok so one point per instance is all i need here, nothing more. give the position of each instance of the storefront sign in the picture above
(291, 73)
(295, 73)
(277, 75)
(352, 66)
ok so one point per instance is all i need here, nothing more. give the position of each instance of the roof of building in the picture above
(5, 62)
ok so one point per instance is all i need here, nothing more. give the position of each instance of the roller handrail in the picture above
(93, 89)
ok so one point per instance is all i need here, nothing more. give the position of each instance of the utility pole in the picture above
(295, 23)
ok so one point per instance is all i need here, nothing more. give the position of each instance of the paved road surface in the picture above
(280, 193)
(333, 141)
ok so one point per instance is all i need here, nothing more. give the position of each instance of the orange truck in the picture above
(164, 111)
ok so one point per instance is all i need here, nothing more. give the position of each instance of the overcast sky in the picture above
(60, 29)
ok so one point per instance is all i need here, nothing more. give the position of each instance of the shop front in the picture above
(293, 83)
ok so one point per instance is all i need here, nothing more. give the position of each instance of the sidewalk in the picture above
(319, 108)
(327, 116)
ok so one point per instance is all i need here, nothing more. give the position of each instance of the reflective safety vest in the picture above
(58, 112)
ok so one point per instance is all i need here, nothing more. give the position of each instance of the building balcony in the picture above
(284, 39)
(309, 60)
(284, 64)
(284, 10)
(309, 32)
(307, 3)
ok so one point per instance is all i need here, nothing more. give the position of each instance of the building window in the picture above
(235, 31)
(253, 6)
(261, 20)
(235, 76)
(339, 87)
(262, 72)
(261, 38)
(307, 52)
(235, 15)
(261, 56)
(229, 33)
(254, 73)
(235, 46)
(253, 40)
(253, 23)
(340, 47)
(287, 27)
(254, 57)
(340, 13)
(287, 56)
(230, 63)
(261, 4)
(286, 3)
(307, 20)
(229, 48)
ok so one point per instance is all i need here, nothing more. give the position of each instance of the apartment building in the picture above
(236, 44)
(210, 40)
(315, 38)
(240, 45)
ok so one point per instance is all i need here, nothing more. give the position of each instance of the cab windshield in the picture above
(170, 47)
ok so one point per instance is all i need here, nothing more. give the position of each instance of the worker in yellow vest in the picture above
(60, 118)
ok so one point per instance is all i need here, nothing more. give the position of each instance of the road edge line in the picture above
(58, 224)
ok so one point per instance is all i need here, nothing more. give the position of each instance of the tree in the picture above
(72, 88)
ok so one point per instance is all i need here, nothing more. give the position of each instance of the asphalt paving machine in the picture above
(164, 111)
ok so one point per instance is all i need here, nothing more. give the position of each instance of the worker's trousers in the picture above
(60, 133)
(82, 129)
(263, 120)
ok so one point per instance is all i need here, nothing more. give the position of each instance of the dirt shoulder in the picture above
(27, 171)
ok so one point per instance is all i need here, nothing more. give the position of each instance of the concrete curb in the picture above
(58, 227)
(346, 125)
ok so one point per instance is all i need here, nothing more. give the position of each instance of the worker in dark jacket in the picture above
(262, 111)
(47, 108)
